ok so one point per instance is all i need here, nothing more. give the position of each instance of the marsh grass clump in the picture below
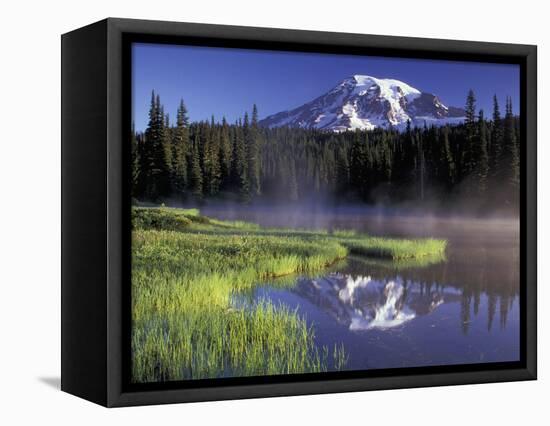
(396, 249)
(152, 218)
(187, 270)
(344, 233)
(399, 265)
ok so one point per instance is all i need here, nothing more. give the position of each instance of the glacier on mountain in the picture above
(365, 102)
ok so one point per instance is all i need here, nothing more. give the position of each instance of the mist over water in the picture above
(383, 221)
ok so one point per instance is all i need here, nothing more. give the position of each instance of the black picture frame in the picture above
(96, 89)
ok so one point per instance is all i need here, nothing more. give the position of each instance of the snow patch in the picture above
(365, 102)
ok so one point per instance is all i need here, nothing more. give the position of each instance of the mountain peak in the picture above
(362, 79)
(366, 102)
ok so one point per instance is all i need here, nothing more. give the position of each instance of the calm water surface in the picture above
(461, 310)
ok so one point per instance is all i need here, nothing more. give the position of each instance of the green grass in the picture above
(396, 249)
(399, 265)
(344, 233)
(186, 271)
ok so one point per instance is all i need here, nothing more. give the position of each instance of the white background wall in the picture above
(30, 211)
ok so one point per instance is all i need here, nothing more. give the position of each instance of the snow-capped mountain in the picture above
(365, 102)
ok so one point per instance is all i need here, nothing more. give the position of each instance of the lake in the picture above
(464, 309)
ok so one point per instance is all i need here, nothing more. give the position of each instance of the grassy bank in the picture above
(186, 269)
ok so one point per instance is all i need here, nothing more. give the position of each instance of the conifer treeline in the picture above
(478, 159)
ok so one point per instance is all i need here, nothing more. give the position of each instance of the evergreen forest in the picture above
(477, 161)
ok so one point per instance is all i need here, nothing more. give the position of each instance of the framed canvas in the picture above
(254, 212)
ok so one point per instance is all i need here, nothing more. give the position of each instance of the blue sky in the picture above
(227, 82)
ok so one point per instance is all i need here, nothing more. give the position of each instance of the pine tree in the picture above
(225, 155)
(157, 177)
(470, 109)
(234, 170)
(143, 167)
(483, 156)
(469, 151)
(511, 150)
(242, 160)
(135, 161)
(147, 157)
(496, 142)
(180, 150)
(421, 165)
(195, 180)
(212, 165)
(253, 153)
(447, 159)
(167, 183)
(239, 164)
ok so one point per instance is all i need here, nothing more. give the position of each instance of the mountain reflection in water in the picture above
(362, 303)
